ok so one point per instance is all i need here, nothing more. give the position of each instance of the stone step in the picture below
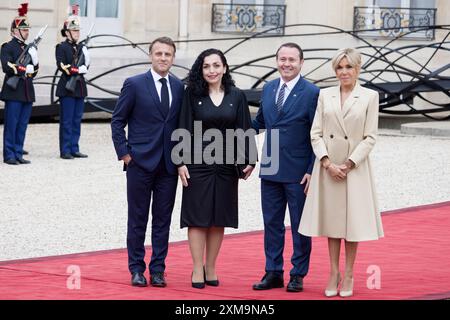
(432, 128)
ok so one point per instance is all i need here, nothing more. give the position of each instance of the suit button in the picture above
(332, 136)
(346, 138)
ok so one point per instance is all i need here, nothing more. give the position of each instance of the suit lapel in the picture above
(336, 98)
(150, 86)
(351, 100)
(272, 104)
(174, 91)
(295, 94)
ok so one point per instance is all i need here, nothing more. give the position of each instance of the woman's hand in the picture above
(336, 172)
(347, 166)
(248, 172)
(183, 172)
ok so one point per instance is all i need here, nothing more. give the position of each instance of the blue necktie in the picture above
(165, 100)
(280, 100)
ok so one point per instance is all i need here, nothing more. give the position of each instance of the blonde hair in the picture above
(353, 57)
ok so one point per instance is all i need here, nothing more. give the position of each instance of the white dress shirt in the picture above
(289, 87)
(158, 85)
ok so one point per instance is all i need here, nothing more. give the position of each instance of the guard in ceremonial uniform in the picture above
(18, 100)
(73, 61)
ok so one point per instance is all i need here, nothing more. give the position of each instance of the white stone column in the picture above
(183, 24)
(184, 19)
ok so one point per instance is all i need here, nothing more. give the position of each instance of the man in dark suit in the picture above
(287, 111)
(149, 104)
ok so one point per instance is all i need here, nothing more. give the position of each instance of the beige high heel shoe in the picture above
(333, 293)
(347, 293)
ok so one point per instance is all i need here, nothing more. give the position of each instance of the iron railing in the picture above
(247, 18)
(394, 22)
(400, 73)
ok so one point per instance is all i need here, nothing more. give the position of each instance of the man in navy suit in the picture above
(287, 110)
(149, 104)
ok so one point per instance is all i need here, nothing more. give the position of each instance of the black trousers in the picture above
(142, 187)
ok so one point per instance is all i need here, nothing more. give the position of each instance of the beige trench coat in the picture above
(347, 209)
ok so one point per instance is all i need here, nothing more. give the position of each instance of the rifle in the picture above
(71, 85)
(25, 58)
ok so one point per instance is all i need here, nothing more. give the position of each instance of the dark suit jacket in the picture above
(10, 52)
(66, 54)
(149, 132)
(296, 157)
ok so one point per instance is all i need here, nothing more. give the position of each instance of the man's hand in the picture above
(306, 179)
(183, 172)
(248, 172)
(29, 69)
(34, 55)
(87, 56)
(82, 69)
(127, 159)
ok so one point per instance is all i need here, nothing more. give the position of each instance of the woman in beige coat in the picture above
(341, 201)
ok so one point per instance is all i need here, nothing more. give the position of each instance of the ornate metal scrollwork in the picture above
(394, 22)
(245, 18)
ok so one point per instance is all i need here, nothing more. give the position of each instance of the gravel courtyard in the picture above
(55, 206)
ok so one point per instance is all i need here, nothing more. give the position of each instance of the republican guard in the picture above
(20, 64)
(73, 61)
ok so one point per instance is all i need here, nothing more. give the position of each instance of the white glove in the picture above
(34, 55)
(30, 69)
(87, 57)
(82, 70)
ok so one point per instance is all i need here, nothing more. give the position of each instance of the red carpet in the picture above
(414, 260)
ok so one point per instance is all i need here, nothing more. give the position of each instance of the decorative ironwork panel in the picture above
(394, 22)
(247, 18)
(401, 78)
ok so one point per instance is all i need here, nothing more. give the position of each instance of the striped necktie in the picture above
(280, 100)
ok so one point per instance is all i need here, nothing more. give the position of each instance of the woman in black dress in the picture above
(210, 193)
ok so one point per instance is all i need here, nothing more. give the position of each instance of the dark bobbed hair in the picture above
(195, 81)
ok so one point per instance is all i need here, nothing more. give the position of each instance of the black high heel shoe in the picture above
(197, 285)
(212, 283)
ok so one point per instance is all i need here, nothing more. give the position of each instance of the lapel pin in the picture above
(231, 104)
(199, 103)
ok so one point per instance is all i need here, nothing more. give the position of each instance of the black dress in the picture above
(211, 198)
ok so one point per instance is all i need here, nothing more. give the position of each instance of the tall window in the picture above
(423, 4)
(107, 8)
(103, 8)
